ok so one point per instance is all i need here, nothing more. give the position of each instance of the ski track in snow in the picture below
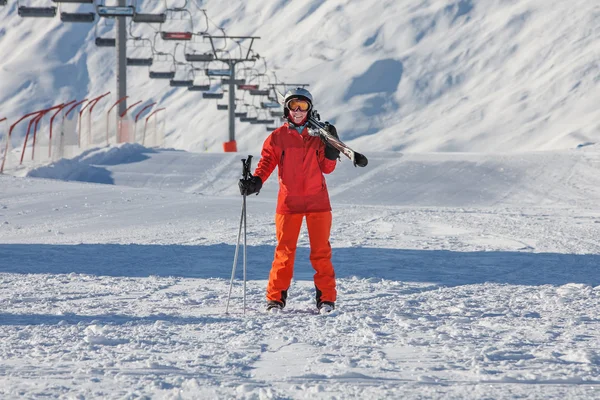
(119, 291)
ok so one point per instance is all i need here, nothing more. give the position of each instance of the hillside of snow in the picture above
(460, 276)
(439, 75)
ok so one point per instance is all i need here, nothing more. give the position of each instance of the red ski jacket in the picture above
(302, 163)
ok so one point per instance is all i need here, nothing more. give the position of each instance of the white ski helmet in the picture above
(297, 93)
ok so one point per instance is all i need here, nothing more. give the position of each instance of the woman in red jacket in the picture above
(302, 160)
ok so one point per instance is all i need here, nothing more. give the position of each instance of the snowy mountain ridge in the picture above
(440, 75)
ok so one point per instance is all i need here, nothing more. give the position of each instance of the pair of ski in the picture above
(314, 122)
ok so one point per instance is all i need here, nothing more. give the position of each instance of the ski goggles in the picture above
(298, 104)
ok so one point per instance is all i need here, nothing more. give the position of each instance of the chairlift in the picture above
(240, 114)
(247, 87)
(37, 12)
(181, 83)
(160, 57)
(264, 104)
(265, 121)
(177, 14)
(248, 119)
(235, 81)
(277, 113)
(218, 72)
(139, 61)
(211, 95)
(222, 107)
(176, 35)
(106, 42)
(199, 88)
(114, 11)
(259, 92)
(195, 57)
(77, 17)
(162, 74)
(271, 128)
(74, 1)
(2, 2)
(187, 82)
(148, 18)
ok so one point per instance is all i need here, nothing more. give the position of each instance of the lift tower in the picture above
(231, 81)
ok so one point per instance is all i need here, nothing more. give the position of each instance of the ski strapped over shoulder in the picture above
(314, 122)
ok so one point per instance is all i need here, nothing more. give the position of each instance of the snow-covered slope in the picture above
(440, 75)
(461, 276)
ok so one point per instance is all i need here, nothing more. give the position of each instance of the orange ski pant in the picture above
(287, 227)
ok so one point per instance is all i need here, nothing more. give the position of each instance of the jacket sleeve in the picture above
(327, 165)
(268, 159)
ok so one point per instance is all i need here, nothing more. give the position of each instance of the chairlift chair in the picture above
(247, 86)
(139, 62)
(36, 12)
(148, 18)
(85, 17)
(162, 75)
(271, 128)
(267, 105)
(212, 95)
(200, 54)
(199, 57)
(114, 11)
(199, 88)
(183, 82)
(140, 43)
(262, 119)
(2, 2)
(259, 92)
(236, 82)
(177, 14)
(218, 72)
(77, 17)
(276, 113)
(248, 119)
(104, 41)
(222, 107)
(161, 57)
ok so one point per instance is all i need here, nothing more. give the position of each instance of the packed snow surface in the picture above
(459, 276)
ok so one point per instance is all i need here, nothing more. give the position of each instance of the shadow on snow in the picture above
(445, 268)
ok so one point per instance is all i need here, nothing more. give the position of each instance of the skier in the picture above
(302, 160)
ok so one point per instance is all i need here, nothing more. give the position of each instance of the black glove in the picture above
(331, 153)
(250, 185)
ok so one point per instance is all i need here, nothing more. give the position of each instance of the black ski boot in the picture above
(325, 307)
(274, 306)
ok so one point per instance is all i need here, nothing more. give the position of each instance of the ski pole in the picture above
(235, 257)
(245, 174)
